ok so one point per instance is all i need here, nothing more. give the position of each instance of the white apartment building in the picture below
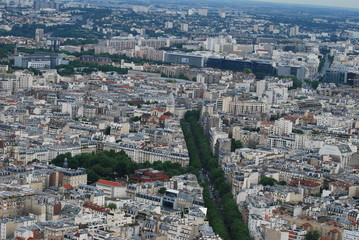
(282, 127)
(111, 189)
(237, 108)
(138, 154)
(223, 104)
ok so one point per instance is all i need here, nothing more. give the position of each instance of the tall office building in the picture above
(39, 35)
(168, 25)
(184, 27)
(203, 12)
(39, 4)
(184, 58)
(222, 14)
(294, 31)
(336, 75)
(191, 11)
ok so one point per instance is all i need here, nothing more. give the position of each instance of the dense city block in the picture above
(178, 120)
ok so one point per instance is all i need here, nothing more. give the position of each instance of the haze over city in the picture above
(327, 3)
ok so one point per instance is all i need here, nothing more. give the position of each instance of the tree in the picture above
(225, 221)
(282, 183)
(314, 84)
(136, 119)
(92, 176)
(296, 82)
(248, 70)
(73, 163)
(162, 190)
(111, 164)
(265, 181)
(251, 129)
(315, 131)
(236, 144)
(108, 130)
(112, 206)
(59, 160)
(182, 76)
(312, 235)
(298, 131)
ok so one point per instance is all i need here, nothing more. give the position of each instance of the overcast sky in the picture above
(332, 3)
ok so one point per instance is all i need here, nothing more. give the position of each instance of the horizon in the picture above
(318, 3)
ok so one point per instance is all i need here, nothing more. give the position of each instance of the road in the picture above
(213, 193)
(323, 70)
(204, 175)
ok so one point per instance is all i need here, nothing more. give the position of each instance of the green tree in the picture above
(248, 70)
(251, 129)
(282, 183)
(315, 131)
(182, 76)
(73, 163)
(226, 220)
(34, 161)
(312, 235)
(162, 190)
(298, 131)
(111, 164)
(296, 82)
(92, 176)
(136, 119)
(314, 84)
(59, 160)
(112, 206)
(108, 130)
(265, 181)
(236, 144)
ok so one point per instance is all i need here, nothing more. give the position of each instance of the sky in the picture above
(330, 3)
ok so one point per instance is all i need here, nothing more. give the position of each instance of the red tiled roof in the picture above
(68, 186)
(125, 86)
(164, 117)
(340, 184)
(96, 207)
(36, 234)
(334, 230)
(290, 118)
(109, 183)
(307, 183)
